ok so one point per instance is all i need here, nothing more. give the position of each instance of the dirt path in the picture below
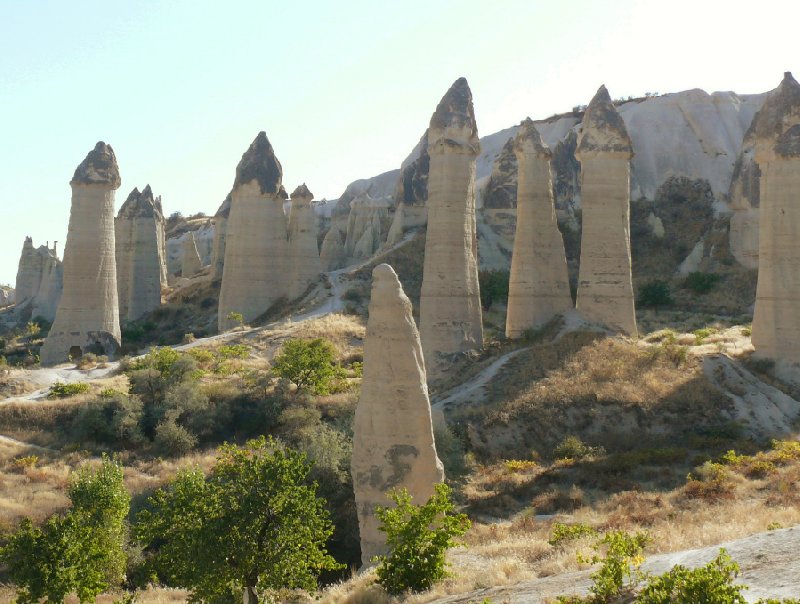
(769, 565)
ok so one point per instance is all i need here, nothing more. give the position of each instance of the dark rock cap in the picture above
(455, 110)
(529, 140)
(602, 129)
(139, 204)
(302, 192)
(775, 115)
(282, 193)
(259, 163)
(99, 168)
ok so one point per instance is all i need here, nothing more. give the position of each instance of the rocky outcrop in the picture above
(605, 287)
(141, 265)
(393, 444)
(303, 252)
(333, 255)
(255, 267)
(220, 231)
(776, 135)
(7, 296)
(450, 309)
(46, 300)
(87, 319)
(538, 286)
(190, 261)
(501, 190)
(367, 226)
(29, 272)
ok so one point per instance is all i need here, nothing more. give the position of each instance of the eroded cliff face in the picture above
(393, 444)
(39, 280)
(87, 319)
(190, 260)
(450, 309)
(775, 134)
(304, 259)
(256, 246)
(220, 233)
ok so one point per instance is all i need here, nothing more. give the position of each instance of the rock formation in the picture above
(190, 261)
(776, 132)
(605, 287)
(6, 296)
(393, 445)
(220, 230)
(450, 307)
(255, 268)
(39, 280)
(141, 265)
(87, 319)
(367, 225)
(539, 284)
(303, 252)
(501, 189)
(332, 255)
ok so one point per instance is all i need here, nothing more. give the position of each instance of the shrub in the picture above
(173, 439)
(254, 524)
(493, 286)
(309, 364)
(417, 537)
(61, 390)
(568, 532)
(236, 317)
(113, 419)
(233, 351)
(573, 447)
(654, 294)
(701, 283)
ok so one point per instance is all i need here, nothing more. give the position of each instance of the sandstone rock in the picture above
(190, 263)
(29, 272)
(220, 230)
(450, 308)
(139, 243)
(605, 287)
(538, 284)
(87, 319)
(393, 444)
(776, 132)
(255, 267)
(303, 252)
(333, 255)
(46, 300)
(398, 226)
(656, 225)
(6, 296)
(367, 225)
(501, 189)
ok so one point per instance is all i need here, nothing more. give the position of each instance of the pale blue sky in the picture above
(343, 89)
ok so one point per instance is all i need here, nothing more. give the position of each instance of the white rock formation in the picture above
(538, 286)
(220, 230)
(39, 280)
(450, 306)
(255, 268)
(87, 319)
(303, 252)
(656, 225)
(141, 265)
(333, 255)
(6, 296)
(190, 262)
(367, 224)
(776, 132)
(393, 444)
(605, 287)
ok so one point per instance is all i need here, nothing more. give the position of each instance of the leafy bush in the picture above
(654, 294)
(113, 419)
(173, 439)
(573, 447)
(254, 524)
(701, 283)
(494, 287)
(417, 537)
(568, 532)
(710, 583)
(309, 365)
(61, 390)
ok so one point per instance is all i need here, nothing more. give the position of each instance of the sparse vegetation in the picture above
(655, 294)
(701, 283)
(309, 365)
(62, 390)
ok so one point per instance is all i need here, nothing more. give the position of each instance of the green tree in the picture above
(253, 525)
(309, 364)
(418, 537)
(79, 552)
(236, 317)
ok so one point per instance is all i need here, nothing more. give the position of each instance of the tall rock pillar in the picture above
(450, 306)
(303, 251)
(190, 257)
(220, 230)
(538, 287)
(255, 267)
(776, 130)
(87, 319)
(393, 444)
(605, 286)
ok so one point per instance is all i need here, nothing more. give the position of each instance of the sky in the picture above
(343, 89)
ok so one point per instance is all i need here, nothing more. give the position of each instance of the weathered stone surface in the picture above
(775, 130)
(190, 261)
(332, 254)
(450, 308)
(303, 252)
(87, 319)
(501, 189)
(398, 226)
(39, 280)
(255, 267)
(7, 296)
(29, 272)
(367, 225)
(220, 230)
(538, 284)
(605, 287)
(141, 266)
(393, 444)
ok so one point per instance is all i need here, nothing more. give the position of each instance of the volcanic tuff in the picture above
(393, 443)
(190, 262)
(220, 231)
(87, 319)
(450, 309)
(304, 260)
